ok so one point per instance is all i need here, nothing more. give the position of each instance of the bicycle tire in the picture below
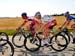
(68, 36)
(14, 37)
(5, 35)
(65, 46)
(69, 39)
(33, 50)
(11, 46)
(65, 36)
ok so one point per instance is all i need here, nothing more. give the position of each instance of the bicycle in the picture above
(57, 39)
(28, 37)
(5, 44)
(4, 47)
(3, 35)
(68, 34)
(22, 38)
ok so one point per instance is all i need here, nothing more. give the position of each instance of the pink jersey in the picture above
(34, 24)
(50, 21)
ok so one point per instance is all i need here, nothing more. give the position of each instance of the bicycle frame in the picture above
(51, 42)
(62, 32)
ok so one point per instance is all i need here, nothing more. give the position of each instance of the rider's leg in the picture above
(33, 33)
(46, 33)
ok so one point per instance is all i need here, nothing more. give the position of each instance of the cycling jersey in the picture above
(34, 22)
(71, 18)
(50, 21)
(34, 25)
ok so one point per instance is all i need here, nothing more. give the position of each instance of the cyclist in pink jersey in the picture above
(50, 23)
(34, 21)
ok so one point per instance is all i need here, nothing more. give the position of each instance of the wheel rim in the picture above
(3, 36)
(32, 46)
(18, 40)
(7, 50)
(58, 46)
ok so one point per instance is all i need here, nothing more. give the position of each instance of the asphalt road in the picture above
(69, 51)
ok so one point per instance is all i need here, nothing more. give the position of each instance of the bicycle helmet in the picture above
(66, 13)
(37, 14)
(24, 14)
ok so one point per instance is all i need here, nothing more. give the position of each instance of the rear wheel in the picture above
(68, 36)
(31, 44)
(59, 44)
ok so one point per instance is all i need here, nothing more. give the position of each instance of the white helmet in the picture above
(66, 13)
(37, 14)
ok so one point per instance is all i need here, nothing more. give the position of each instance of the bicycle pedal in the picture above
(47, 45)
(33, 40)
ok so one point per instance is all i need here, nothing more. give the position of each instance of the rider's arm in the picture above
(25, 21)
(65, 24)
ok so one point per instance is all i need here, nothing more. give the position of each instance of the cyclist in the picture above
(69, 18)
(25, 17)
(34, 21)
(50, 23)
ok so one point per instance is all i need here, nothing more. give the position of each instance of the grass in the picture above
(9, 31)
(8, 25)
(13, 31)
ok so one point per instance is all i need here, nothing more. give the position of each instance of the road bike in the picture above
(6, 49)
(21, 37)
(34, 43)
(3, 35)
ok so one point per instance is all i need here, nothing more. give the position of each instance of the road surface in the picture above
(47, 52)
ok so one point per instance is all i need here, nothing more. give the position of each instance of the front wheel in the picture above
(59, 44)
(67, 35)
(18, 39)
(31, 43)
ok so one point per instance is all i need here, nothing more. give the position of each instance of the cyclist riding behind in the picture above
(35, 23)
(50, 22)
(69, 18)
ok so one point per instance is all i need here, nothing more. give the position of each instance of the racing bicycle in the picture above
(33, 44)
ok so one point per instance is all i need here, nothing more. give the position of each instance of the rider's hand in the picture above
(18, 28)
(60, 28)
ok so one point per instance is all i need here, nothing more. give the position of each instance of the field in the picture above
(10, 24)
